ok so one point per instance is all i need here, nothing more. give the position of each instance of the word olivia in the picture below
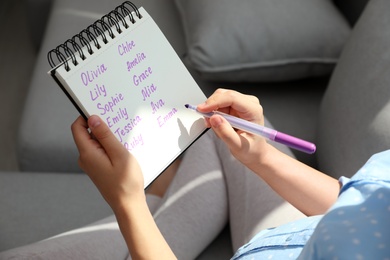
(109, 106)
(148, 91)
(162, 120)
(121, 132)
(97, 92)
(137, 60)
(89, 76)
(134, 143)
(120, 114)
(125, 47)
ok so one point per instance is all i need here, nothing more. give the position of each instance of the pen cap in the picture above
(295, 143)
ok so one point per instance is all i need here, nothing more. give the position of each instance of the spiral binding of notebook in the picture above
(98, 33)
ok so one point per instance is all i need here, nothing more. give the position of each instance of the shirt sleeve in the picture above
(357, 225)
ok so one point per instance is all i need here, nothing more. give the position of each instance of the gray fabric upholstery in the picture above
(262, 41)
(355, 113)
(35, 206)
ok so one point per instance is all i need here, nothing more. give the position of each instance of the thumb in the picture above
(225, 132)
(104, 135)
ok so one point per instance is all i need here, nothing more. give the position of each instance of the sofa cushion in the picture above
(36, 206)
(254, 41)
(354, 120)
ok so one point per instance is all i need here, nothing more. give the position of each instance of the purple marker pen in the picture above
(256, 129)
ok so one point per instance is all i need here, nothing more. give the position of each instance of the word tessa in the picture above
(89, 76)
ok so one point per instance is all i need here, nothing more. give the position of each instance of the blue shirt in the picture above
(357, 226)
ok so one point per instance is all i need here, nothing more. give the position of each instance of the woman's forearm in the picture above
(143, 238)
(307, 189)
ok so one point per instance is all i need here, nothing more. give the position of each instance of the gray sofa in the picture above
(344, 110)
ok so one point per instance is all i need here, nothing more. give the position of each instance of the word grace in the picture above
(137, 79)
(89, 76)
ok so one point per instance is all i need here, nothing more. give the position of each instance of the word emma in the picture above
(161, 120)
(125, 47)
(90, 75)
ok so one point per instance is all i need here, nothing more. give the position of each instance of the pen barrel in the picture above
(295, 143)
(251, 127)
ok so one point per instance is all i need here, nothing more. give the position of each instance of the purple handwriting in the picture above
(156, 106)
(109, 106)
(121, 132)
(137, 79)
(97, 92)
(137, 60)
(148, 91)
(161, 120)
(89, 76)
(125, 47)
(121, 113)
(134, 143)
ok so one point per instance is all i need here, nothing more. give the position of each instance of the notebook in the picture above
(123, 69)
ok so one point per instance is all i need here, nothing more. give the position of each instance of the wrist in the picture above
(263, 158)
(129, 203)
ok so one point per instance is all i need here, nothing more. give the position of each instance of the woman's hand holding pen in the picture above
(246, 147)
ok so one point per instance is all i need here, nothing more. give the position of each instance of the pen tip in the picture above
(186, 105)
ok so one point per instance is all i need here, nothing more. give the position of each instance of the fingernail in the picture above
(216, 121)
(93, 122)
(202, 104)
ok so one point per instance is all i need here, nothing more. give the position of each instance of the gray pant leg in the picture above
(100, 240)
(194, 210)
(253, 205)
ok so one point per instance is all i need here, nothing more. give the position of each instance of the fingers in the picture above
(232, 102)
(225, 132)
(81, 135)
(105, 137)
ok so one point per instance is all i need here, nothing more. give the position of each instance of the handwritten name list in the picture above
(112, 106)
